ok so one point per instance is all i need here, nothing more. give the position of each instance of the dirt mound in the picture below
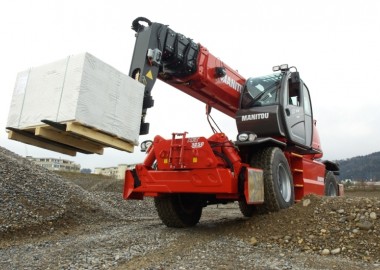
(110, 191)
(94, 182)
(34, 199)
(348, 226)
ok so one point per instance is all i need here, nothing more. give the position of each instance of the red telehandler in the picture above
(275, 160)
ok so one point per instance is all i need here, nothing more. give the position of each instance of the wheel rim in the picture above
(284, 183)
(331, 190)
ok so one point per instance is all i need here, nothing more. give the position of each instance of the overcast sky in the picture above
(335, 46)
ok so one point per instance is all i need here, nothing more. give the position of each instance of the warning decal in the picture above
(149, 74)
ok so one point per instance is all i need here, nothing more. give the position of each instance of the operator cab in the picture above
(278, 106)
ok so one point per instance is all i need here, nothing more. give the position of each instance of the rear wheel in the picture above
(331, 185)
(278, 181)
(179, 210)
(247, 209)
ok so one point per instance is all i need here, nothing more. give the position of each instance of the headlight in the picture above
(242, 137)
(246, 137)
(282, 67)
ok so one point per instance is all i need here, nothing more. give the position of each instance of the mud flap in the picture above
(130, 183)
(340, 190)
(254, 186)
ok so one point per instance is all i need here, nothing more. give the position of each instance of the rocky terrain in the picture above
(71, 221)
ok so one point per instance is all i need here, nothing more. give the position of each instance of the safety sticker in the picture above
(149, 74)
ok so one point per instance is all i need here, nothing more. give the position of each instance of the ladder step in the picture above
(297, 170)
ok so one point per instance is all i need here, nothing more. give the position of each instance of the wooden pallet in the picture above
(69, 138)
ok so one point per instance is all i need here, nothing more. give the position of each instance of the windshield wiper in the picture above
(268, 90)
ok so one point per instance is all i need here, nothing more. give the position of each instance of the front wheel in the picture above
(246, 209)
(179, 210)
(278, 180)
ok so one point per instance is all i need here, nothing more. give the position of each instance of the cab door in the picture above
(298, 114)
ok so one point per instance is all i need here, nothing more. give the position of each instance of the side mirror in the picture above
(295, 81)
(295, 77)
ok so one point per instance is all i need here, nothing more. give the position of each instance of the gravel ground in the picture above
(50, 221)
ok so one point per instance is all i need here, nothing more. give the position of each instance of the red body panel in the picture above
(184, 153)
(187, 165)
(218, 180)
(208, 166)
(316, 143)
(220, 93)
(314, 175)
(308, 174)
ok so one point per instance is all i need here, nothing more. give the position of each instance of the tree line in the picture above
(361, 168)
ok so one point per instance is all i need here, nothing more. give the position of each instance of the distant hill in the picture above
(361, 167)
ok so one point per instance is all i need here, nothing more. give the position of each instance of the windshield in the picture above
(261, 91)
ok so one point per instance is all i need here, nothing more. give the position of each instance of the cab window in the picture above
(307, 104)
(294, 94)
(261, 91)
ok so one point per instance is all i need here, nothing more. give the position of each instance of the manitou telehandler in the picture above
(275, 160)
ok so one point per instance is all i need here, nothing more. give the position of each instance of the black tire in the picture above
(247, 209)
(179, 210)
(331, 185)
(278, 181)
